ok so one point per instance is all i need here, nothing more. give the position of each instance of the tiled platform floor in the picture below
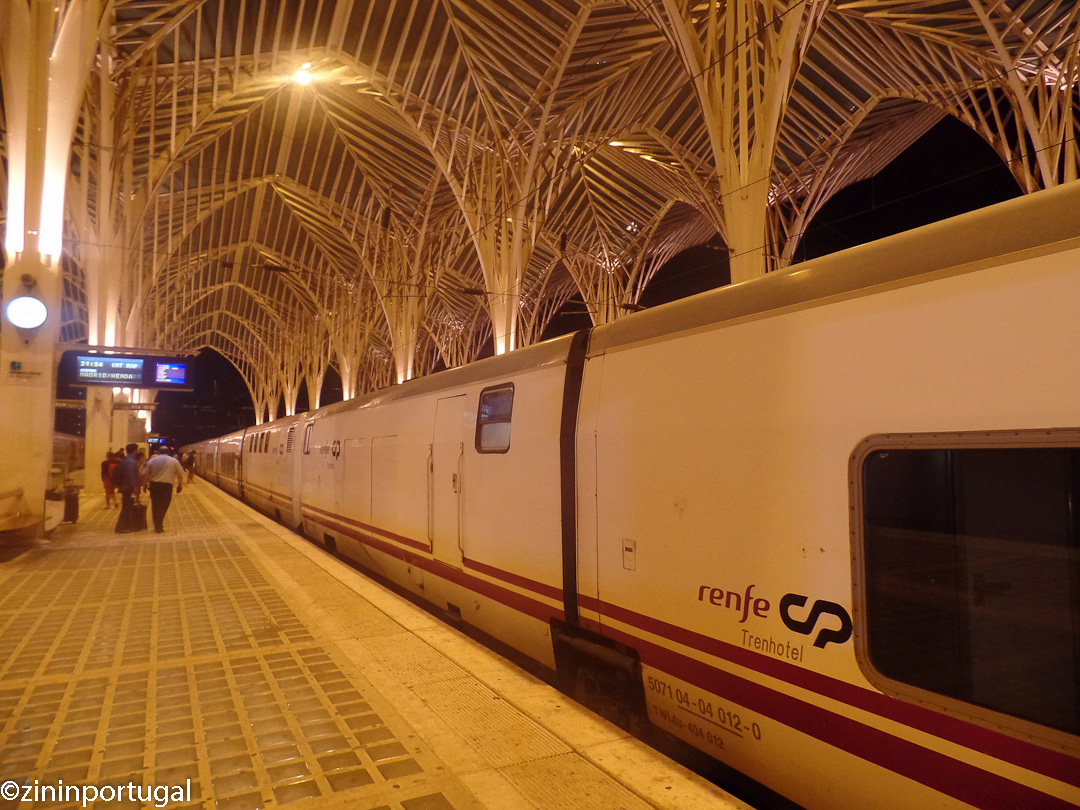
(231, 653)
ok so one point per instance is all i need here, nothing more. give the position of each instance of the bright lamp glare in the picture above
(302, 77)
(26, 312)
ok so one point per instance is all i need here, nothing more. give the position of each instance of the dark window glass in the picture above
(973, 576)
(493, 419)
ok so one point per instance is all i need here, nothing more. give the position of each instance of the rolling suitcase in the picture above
(71, 503)
(138, 517)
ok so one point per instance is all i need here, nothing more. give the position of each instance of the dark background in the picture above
(949, 171)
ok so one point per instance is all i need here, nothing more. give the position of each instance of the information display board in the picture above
(102, 370)
(133, 371)
(170, 375)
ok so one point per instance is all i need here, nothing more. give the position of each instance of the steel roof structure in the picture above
(387, 185)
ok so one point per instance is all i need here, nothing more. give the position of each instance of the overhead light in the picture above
(302, 76)
(26, 310)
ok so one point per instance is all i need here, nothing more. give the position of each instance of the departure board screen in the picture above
(170, 375)
(104, 370)
(128, 371)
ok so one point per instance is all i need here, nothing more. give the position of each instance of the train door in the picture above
(241, 454)
(444, 481)
(294, 459)
(354, 484)
(385, 486)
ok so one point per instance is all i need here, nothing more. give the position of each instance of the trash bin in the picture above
(71, 502)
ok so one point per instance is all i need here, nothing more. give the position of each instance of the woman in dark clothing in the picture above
(108, 467)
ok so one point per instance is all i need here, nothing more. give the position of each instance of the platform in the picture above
(230, 652)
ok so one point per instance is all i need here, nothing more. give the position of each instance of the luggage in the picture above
(71, 503)
(138, 517)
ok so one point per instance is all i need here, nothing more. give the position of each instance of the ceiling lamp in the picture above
(26, 310)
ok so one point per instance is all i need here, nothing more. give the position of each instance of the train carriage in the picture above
(820, 525)
(452, 485)
(268, 468)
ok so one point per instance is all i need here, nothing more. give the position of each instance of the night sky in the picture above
(949, 171)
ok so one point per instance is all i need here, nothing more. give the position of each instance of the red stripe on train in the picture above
(1035, 758)
(312, 512)
(962, 781)
(1040, 760)
(512, 599)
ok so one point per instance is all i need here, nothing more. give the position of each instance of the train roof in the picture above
(1034, 223)
(528, 358)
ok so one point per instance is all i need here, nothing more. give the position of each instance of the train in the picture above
(821, 525)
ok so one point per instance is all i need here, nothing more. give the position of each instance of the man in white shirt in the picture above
(159, 473)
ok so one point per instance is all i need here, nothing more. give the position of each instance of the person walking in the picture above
(140, 457)
(128, 483)
(161, 470)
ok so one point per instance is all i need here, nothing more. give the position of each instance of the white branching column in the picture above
(98, 209)
(394, 256)
(44, 63)
(512, 168)
(298, 355)
(610, 275)
(314, 363)
(459, 336)
(352, 331)
(1040, 77)
(507, 195)
(290, 369)
(743, 57)
(261, 397)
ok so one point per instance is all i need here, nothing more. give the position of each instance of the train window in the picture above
(493, 419)
(970, 566)
(307, 438)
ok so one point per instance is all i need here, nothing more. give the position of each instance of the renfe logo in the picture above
(735, 601)
(743, 604)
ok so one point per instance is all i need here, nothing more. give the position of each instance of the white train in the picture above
(824, 525)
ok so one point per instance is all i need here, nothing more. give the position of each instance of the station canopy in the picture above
(387, 187)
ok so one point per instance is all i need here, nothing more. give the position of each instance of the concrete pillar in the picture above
(43, 69)
(28, 386)
(99, 436)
